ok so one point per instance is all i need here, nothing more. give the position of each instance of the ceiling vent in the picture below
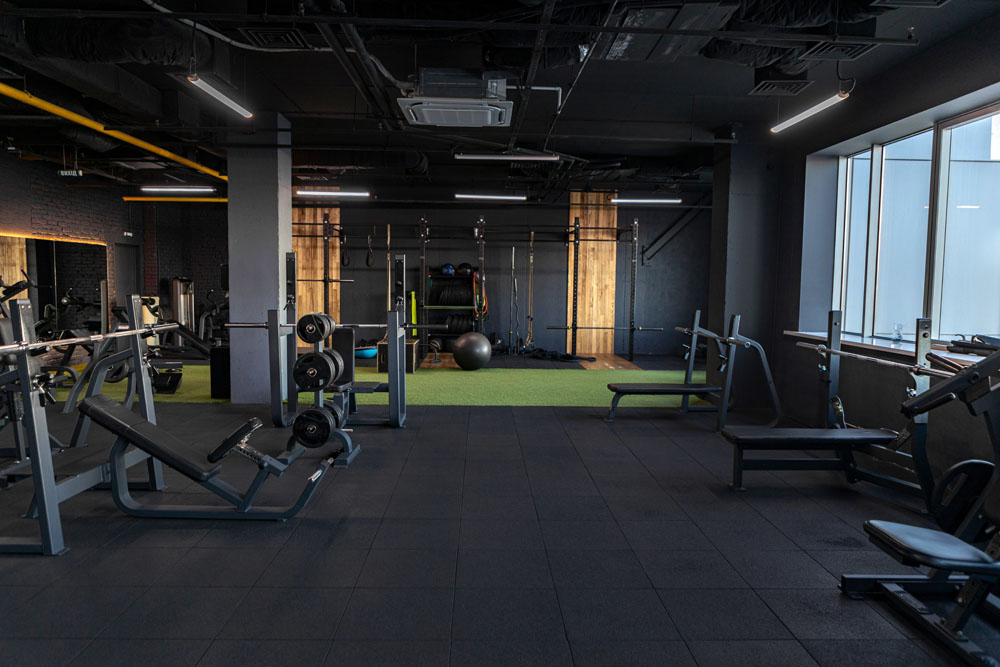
(276, 38)
(837, 50)
(769, 82)
(910, 3)
(447, 97)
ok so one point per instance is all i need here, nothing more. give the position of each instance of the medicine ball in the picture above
(472, 351)
(464, 269)
(448, 270)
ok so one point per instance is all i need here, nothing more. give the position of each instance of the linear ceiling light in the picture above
(811, 111)
(622, 200)
(333, 194)
(178, 188)
(492, 197)
(219, 95)
(178, 200)
(967, 206)
(509, 157)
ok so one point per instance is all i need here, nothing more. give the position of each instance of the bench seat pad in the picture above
(806, 438)
(654, 389)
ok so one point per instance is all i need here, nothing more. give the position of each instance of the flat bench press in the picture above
(134, 431)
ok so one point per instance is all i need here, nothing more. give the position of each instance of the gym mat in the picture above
(488, 386)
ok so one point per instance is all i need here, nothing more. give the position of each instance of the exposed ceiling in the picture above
(646, 88)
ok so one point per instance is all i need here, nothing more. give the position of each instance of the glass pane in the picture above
(902, 253)
(971, 272)
(856, 237)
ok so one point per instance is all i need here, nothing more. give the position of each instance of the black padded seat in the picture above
(913, 545)
(757, 437)
(370, 387)
(654, 389)
(148, 437)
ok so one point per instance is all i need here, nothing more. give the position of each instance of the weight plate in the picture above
(313, 427)
(315, 371)
(314, 327)
(338, 365)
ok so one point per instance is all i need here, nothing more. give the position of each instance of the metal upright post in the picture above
(481, 237)
(692, 353)
(143, 386)
(422, 296)
(631, 289)
(832, 373)
(922, 383)
(576, 282)
(326, 262)
(396, 348)
(727, 385)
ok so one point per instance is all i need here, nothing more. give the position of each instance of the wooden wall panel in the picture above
(596, 284)
(309, 251)
(13, 259)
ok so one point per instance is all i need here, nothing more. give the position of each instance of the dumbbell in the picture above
(314, 327)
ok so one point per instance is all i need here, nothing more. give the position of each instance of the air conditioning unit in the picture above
(448, 97)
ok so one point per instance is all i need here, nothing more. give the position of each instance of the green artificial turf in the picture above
(488, 386)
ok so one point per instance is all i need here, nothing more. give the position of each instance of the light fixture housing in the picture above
(811, 111)
(491, 197)
(333, 194)
(219, 95)
(177, 188)
(509, 157)
(643, 201)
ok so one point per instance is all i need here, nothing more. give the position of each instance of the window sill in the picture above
(904, 350)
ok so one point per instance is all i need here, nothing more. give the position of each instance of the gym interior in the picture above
(539, 332)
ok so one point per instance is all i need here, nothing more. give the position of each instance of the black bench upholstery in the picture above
(913, 545)
(148, 437)
(655, 389)
(755, 437)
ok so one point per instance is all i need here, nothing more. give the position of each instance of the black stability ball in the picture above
(472, 351)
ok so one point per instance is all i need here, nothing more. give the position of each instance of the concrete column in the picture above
(260, 233)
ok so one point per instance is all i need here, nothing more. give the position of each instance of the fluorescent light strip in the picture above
(177, 188)
(967, 206)
(811, 111)
(619, 200)
(509, 157)
(333, 194)
(493, 197)
(219, 95)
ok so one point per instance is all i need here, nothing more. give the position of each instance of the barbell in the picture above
(911, 368)
(728, 340)
(608, 328)
(148, 330)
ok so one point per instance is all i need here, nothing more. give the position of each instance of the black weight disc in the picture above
(338, 365)
(313, 427)
(314, 327)
(315, 371)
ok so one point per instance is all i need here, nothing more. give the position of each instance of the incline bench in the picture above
(132, 430)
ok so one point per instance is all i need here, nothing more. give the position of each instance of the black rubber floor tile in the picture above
(578, 568)
(583, 535)
(551, 653)
(15, 596)
(145, 536)
(512, 484)
(409, 568)
(752, 653)
(446, 483)
(486, 506)
(249, 535)
(424, 506)
(616, 614)
(628, 485)
(426, 465)
(722, 615)
(264, 653)
(658, 506)
(827, 614)
(176, 613)
(507, 449)
(329, 568)
(500, 534)
(689, 569)
(824, 533)
(859, 562)
(127, 567)
(320, 534)
(417, 534)
(487, 568)
(753, 534)
(67, 611)
(218, 567)
(363, 506)
(630, 653)
(780, 569)
(869, 652)
(559, 484)
(20, 570)
(346, 653)
(287, 613)
(129, 652)
(40, 652)
(397, 614)
(665, 535)
(572, 508)
(507, 614)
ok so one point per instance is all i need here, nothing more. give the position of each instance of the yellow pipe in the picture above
(56, 110)
(200, 200)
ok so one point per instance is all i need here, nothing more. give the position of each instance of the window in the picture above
(920, 232)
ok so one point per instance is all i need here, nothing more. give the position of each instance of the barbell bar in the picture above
(728, 340)
(608, 328)
(286, 325)
(148, 330)
(911, 368)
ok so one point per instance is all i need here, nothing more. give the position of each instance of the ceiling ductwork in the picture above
(410, 163)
